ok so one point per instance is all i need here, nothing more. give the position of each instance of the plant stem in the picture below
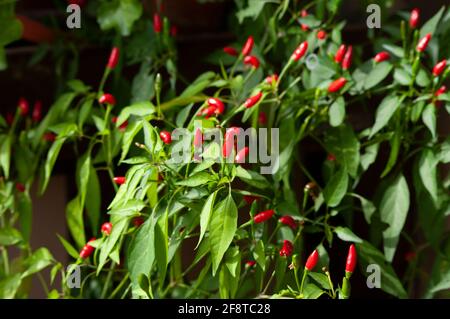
(107, 282)
(122, 282)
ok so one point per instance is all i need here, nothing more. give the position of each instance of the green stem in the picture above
(119, 287)
(305, 273)
(107, 282)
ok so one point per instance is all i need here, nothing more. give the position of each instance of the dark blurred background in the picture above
(202, 28)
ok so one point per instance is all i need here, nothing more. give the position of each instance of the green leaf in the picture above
(183, 115)
(10, 30)
(139, 109)
(346, 234)
(94, 198)
(223, 226)
(142, 88)
(369, 157)
(342, 142)
(252, 178)
(394, 208)
(390, 283)
(39, 260)
(110, 242)
(78, 86)
(416, 111)
(9, 286)
(443, 284)
(394, 49)
(74, 217)
(444, 152)
(5, 155)
(24, 206)
(201, 83)
(260, 255)
(367, 206)
(9, 236)
(56, 111)
(119, 15)
(337, 112)
(232, 260)
(205, 216)
(141, 253)
(132, 129)
(429, 119)
(196, 180)
(384, 113)
(428, 172)
(311, 291)
(336, 188)
(85, 112)
(54, 152)
(431, 25)
(68, 247)
(402, 77)
(253, 9)
(377, 74)
(321, 279)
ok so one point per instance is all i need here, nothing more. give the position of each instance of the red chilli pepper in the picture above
(138, 221)
(423, 43)
(337, 85)
(248, 46)
(272, 79)
(300, 51)
(288, 221)
(441, 90)
(9, 118)
(331, 157)
(113, 58)
(439, 68)
(287, 249)
(107, 99)
(339, 56)
(123, 126)
(107, 228)
(263, 216)
(218, 105)
(382, 56)
(303, 14)
(20, 187)
(410, 256)
(165, 137)
(87, 250)
(249, 199)
(251, 60)
(230, 51)
(229, 144)
(251, 101)
(262, 118)
(347, 62)
(37, 112)
(312, 260)
(414, 18)
(321, 35)
(250, 263)
(351, 259)
(157, 26)
(173, 31)
(241, 155)
(49, 137)
(23, 106)
(119, 180)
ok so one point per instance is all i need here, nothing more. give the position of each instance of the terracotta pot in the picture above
(35, 31)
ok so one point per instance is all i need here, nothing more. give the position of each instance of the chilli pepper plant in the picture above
(195, 216)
